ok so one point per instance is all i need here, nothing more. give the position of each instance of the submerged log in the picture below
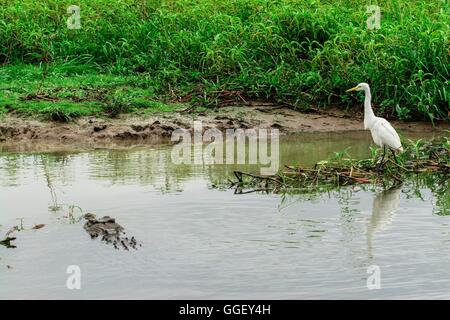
(7, 242)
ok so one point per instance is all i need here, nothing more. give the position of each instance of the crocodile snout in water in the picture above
(110, 231)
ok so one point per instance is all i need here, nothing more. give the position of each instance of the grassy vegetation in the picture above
(61, 97)
(305, 52)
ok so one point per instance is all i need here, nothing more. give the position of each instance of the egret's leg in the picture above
(395, 158)
(381, 164)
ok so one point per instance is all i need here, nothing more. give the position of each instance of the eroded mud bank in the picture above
(128, 130)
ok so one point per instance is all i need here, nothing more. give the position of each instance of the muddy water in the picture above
(201, 242)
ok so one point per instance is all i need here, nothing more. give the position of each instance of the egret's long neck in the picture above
(368, 112)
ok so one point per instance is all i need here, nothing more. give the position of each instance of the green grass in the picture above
(305, 52)
(61, 111)
(64, 97)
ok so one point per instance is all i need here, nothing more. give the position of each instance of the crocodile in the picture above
(110, 231)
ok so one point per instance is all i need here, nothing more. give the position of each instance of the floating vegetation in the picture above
(10, 234)
(7, 242)
(423, 163)
(19, 227)
(74, 214)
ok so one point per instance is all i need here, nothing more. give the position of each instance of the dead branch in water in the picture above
(418, 157)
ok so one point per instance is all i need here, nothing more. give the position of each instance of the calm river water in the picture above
(199, 242)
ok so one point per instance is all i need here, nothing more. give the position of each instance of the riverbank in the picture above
(155, 128)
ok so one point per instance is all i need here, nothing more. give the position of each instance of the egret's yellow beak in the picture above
(352, 89)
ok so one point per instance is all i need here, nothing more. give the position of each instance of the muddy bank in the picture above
(129, 130)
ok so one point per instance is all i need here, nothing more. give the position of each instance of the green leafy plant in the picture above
(302, 52)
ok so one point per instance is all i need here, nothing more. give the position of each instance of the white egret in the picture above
(383, 134)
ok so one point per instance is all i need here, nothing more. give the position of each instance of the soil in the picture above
(128, 130)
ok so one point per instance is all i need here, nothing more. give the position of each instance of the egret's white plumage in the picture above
(383, 134)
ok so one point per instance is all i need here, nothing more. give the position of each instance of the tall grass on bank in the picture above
(305, 52)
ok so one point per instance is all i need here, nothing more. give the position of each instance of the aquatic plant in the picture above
(340, 170)
(422, 164)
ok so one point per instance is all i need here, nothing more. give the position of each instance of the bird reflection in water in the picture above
(385, 204)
